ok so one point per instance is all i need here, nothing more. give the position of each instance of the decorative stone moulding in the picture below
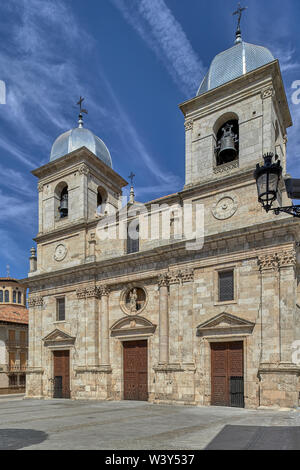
(189, 125)
(226, 167)
(267, 92)
(60, 252)
(225, 206)
(35, 302)
(133, 300)
(89, 292)
(282, 259)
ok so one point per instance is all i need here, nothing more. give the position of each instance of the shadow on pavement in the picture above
(256, 438)
(13, 439)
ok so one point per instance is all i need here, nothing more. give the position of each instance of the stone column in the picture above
(287, 298)
(92, 341)
(269, 308)
(188, 151)
(104, 326)
(163, 283)
(268, 133)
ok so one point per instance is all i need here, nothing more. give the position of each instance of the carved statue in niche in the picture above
(135, 300)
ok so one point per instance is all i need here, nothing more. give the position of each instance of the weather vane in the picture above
(239, 12)
(131, 176)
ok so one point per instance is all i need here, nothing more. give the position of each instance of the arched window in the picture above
(64, 203)
(19, 298)
(6, 296)
(14, 297)
(226, 131)
(1, 295)
(101, 201)
(133, 242)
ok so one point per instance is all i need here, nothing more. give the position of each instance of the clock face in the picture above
(225, 206)
(60, 252)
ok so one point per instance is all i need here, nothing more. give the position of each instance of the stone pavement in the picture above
(65, 424)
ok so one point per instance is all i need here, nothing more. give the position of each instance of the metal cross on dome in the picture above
(131, 176)
(239, 12)
(81, 110)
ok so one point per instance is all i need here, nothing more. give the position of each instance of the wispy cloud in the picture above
(158, 27)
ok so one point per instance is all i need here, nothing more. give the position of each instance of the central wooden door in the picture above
(61, 381)
(227, 376)
(135, 361)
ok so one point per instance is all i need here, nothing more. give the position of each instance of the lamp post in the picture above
(267, 178)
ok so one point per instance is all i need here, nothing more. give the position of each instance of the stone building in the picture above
(13, 335)
(155, 317)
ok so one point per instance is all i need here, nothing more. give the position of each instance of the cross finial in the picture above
(131, 176)
(239, 12)
(7, 270)
(81, 110)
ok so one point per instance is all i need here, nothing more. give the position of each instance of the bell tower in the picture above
(76, 189)
(240, 112)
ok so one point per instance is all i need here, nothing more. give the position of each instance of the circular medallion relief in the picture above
(225, 206)
(60, 252)
(133, 300)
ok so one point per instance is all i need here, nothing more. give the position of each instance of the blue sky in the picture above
(134, 61)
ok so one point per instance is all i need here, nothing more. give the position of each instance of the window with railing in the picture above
(226, 286)
(60, 309)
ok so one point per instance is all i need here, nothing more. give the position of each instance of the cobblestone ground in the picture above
(65, 424)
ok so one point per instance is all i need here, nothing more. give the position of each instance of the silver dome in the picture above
(80, 137)
(233, 63)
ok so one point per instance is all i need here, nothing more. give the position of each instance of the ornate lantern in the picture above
(267, 178)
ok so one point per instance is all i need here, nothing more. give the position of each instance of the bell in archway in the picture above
(63, 209)
(227, 145)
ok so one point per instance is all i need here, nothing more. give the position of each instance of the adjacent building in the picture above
(13, 336)
(160, 318)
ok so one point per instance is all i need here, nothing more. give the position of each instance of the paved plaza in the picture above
(126, 425)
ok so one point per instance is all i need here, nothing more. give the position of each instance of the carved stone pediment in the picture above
(58, 337)
(225, 323)
(132, 326)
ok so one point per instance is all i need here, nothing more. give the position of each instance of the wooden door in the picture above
(135, 370)
(227, 374)
(61, 374)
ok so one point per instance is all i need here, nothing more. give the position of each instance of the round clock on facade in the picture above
(60, 252)
(225, 206)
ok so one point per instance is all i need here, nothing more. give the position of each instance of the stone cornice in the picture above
(176, 253)
(80, 157)
(237, 89)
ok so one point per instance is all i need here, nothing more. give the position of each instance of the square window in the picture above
(60, 309)
(226, 286)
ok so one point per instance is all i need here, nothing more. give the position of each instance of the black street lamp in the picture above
(267, 178)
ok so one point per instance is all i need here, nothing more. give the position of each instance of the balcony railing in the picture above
(17, 368)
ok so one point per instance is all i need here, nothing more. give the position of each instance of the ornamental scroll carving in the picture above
(178, 276)
(89, 292)
(189, 125)
(267, 92)
(35, 302)
(283, 259)
(83, 170)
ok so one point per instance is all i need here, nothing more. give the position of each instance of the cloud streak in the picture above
(164, 35)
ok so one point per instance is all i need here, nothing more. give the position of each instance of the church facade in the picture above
(164, 318)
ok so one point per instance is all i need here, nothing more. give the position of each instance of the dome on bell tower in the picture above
(77, 138)
(233, 63)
